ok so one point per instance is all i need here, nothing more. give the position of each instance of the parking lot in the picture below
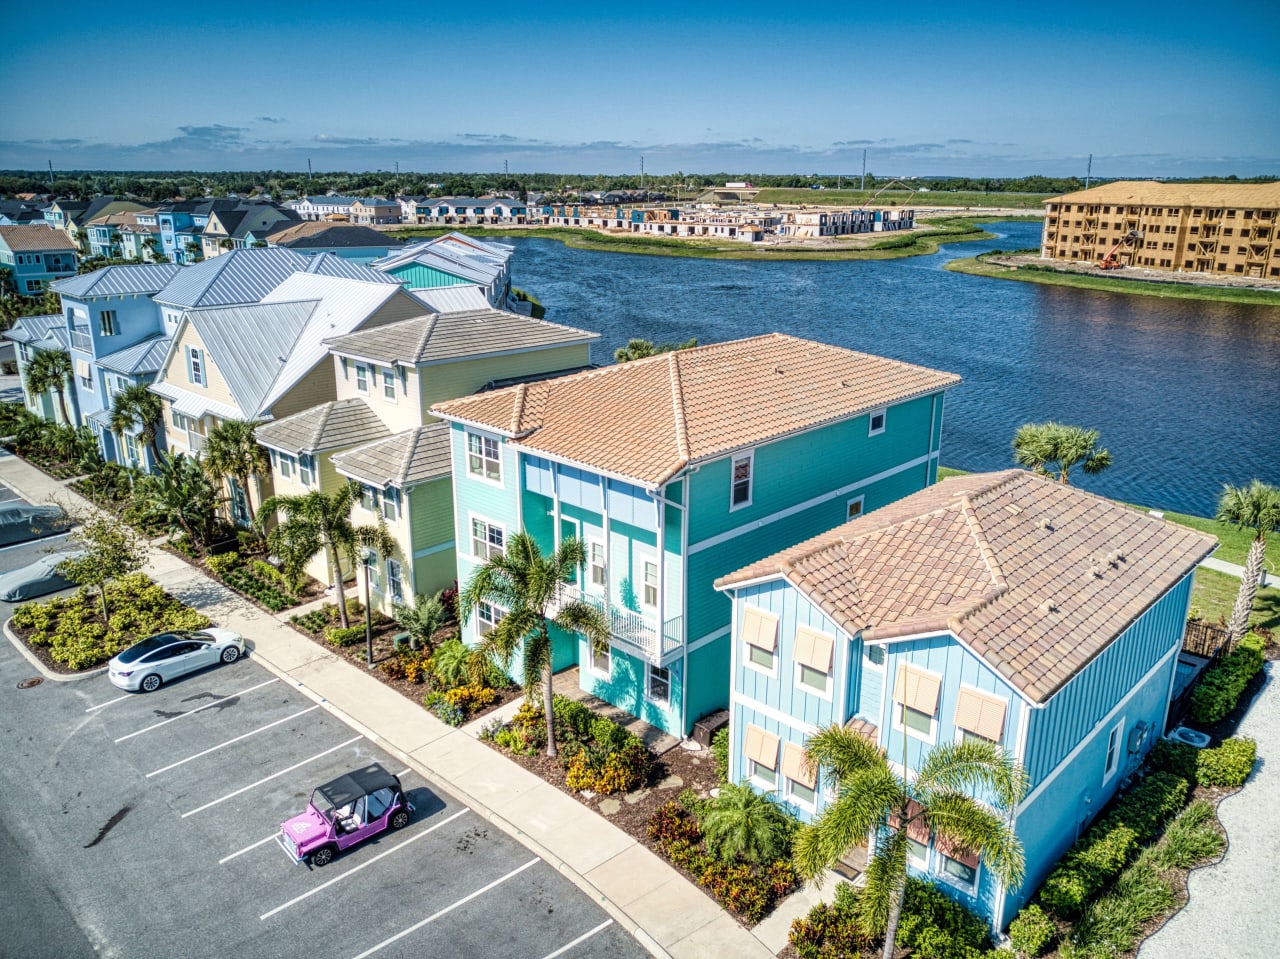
(149, 820)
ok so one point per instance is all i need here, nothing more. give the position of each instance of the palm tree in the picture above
(232, 451)
(1255, 507)
(1051, 449)
(180, 494)
(872, 798)
(50, 370)
(742, 824)
(526, 585)
(320, 519)
(640, 349)
(422, 620)
(136, 406)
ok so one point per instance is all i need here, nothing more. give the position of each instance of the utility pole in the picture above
(1088, 175)
(308, 169)
(864, 170)
(506, 170)
(51, 174)
(642, 172)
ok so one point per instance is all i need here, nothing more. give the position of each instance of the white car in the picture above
(150, 663)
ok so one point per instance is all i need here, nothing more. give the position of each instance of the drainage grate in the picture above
(28, 683)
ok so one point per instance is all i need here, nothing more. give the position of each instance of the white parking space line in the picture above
(192, 712)
(39, 539)
(267, 779)
(118, 699)
(363, 865)
(579, 941)
(261, 842)
(214, 749)
(448, 909)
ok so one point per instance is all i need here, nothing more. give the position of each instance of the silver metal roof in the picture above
(247, 276)
(406, 459)
(453, 299)
(145, 357)
(143, 278)
(335, 425)
(32, 329)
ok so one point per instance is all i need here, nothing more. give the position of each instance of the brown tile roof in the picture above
(1150, 193)
(27, 239)
(648, 419)
(1036, 577)
(403, 460)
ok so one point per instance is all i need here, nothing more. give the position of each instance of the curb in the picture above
(45, 671)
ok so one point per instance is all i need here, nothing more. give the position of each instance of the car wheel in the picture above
(150, 683)
(322, 856)
(230, 654)
(400, 819)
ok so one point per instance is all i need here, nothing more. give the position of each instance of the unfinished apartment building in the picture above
(1226, 228)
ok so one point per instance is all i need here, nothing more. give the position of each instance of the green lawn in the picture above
(1233, 543)
(1185, 291)
(1020, 201)
(1213, 594)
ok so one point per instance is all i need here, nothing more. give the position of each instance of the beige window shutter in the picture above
(793, 766)
(761, 746)
(980, 713)
(917, 689)
(82, 369)
(953, 850)
(814, 648)
(759, 628)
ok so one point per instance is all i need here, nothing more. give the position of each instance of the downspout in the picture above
(933, 418)
(684, 612)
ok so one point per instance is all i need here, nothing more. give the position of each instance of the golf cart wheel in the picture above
(230, 654)
(150, 683)
(322, 856)
(400, 819)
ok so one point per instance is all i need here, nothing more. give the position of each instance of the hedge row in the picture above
(1220, 687)
(1228, 765)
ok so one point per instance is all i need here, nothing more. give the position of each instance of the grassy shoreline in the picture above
(956, 229)
(977, 266)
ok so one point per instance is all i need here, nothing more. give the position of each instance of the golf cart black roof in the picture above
(351, 786)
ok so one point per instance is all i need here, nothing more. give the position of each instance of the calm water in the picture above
(1186, 394)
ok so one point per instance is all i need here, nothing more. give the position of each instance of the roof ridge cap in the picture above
(428, 330)
(677, 410)
(984, 548)
(517, 412)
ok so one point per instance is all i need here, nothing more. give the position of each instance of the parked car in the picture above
(150, 663)
(21, 521)
(36, 579)
(344, 812)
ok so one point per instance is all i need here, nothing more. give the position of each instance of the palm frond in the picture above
(576, 617)
(977, 828)
(841, 751)
(885, 878)
(972, 766)
(866, 796)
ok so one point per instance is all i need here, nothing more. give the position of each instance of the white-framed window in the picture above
(853, 509)
(107, 323)
(362, 378)
(957, 872)
(391, 504)
(740, 494)
(600, 659)
(801, 782)
(813, 652)
(760, 750)
(597, 568)
(658, 684)
(483, 457)
(304, 469)
(394, 581)
(287, 464)
(761, 658)
(759, 632)
(368, 498)
(1113, 751)
(874, 655)
(876, 421)
(389, 384)
(487, 617)
(915, 702)
(649, 589)
(762, 775)
(195, 366)
(487, 539)
(917, 852)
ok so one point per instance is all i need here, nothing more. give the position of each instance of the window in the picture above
(368, 498)
(741, 481)
(1113, 751)
(959, 870)
(916, 693)
(487, 617)
(659, 684)
(875, 424)
(195, 366)
(875, 656)
(854, 508)
(286, 465)
(917, 851)
(107, 323)
(389, 384)
(760, 749)
(486, 539)
(362, 378)
(595, 560)
(600, 660)
(916, 719)
(84, 373)
(391, 504)
(979, 716)
(304, 469)
(802, 781)
(482, 457)
(394, 582)
(759, 631)
(650, 598)
(813, 655)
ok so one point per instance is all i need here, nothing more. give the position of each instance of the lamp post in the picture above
(367, 554)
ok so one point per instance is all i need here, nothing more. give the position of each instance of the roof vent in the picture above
(1047, 607)
(1096, 570)
(1046, 524)
(777, 369)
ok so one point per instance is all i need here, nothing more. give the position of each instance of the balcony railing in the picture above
(81, 340)
(195, 442)
(636, 630)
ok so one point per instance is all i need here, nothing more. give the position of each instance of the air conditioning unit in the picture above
(1189, 736)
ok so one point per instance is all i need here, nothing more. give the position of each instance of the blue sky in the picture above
(990, 89)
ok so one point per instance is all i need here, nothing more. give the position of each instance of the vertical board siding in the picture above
(870, 689)
(1077, 707)
(625, 688)
(708, 681)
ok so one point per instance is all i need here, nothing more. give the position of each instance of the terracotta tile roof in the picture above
(23, 239)
(868, 731)
(1036, 577)
(648, 419)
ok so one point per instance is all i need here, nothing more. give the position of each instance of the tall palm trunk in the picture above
(60, 392)
(548, 698)
(895, 913)
(1239, 623)
(340, 593)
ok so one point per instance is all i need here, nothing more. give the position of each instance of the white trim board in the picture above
(737, 699)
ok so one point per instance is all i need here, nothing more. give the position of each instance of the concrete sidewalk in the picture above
(664, 911)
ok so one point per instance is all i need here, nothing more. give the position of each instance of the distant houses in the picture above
(35, 256)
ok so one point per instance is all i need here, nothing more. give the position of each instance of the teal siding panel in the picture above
(538, 517)
(1077, 707)
(708, 681)
(415, 276)
(625, 688)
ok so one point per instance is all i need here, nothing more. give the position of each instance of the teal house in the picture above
(677, 469)
(1003, 607)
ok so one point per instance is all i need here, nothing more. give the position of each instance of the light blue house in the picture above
(672, 471)
(31, 335)
(35, 256)
(453, 260)
(1002, 606)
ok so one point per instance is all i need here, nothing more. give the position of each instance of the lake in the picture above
(1186, 393)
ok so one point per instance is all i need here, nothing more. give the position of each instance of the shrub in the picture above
(1031, 932)
(451, 661)
(337, 636)
(625, 768)
(742, 824)
(571, 717)
(1220, 687)
(1149, 805)
(1228, 765)
(471, 697)
(222, 564)
(934, 926)
(1191, 840)
(831, 931)
(267, 572)
(692, 803)
(720, 752)
(1111, 925)
(1174, 757)
(671, 823)
(607, 734)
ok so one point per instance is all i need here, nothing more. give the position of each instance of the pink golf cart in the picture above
(344, 812)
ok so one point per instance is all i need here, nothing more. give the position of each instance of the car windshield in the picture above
(149, 645)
